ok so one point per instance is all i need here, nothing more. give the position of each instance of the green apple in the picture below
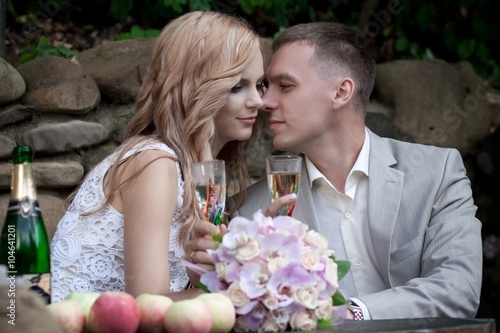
(85, 300)
(223, 312)
(69, 314)
(188, 316)
(152, 309)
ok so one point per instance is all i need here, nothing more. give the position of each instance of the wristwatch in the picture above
(356, 311)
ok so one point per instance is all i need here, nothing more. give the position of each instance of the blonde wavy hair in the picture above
(197, 59)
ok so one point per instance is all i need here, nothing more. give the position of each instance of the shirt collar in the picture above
(360, 165)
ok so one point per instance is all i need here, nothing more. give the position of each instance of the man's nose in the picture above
(269, 102)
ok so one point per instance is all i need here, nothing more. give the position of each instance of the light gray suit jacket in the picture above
(421, 214)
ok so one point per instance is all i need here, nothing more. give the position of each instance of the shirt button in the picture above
(347, 215)
(358, 262)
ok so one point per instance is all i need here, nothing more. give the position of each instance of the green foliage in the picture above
(137, 32)
(9, 7)
(43, 48)
(418, 29)
(466, 31)
(120, 8)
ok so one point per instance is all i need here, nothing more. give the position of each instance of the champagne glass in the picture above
(209, 178)
(283, 177)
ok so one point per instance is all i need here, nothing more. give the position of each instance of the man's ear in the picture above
(344, 92)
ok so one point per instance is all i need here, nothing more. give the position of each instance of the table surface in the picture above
(427, 325)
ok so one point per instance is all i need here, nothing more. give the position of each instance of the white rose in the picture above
(281, 317)
(268, 326)
(248, 251)
(309, 260)
(237, 295)
(307, 296)
(276, 263)
(331, 274)
(324, 309)
(240, 325)
(220, 269)
(270, 301)
(316, 240)
(302, 321)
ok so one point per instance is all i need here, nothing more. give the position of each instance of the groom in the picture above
(401, 213)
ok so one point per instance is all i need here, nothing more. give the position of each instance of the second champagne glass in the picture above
(283, 177)
(209, 178)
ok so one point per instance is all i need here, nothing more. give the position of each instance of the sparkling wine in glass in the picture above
(209, 178)
(283, 177)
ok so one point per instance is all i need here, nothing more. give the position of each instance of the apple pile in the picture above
(116, 311)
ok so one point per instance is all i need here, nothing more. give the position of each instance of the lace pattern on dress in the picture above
(87, 250)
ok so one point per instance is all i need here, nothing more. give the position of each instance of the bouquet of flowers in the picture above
(279, 275)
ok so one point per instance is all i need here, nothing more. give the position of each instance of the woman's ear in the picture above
(344, 92)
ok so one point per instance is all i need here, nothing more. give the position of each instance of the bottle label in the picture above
(26, 207)
(39, 283)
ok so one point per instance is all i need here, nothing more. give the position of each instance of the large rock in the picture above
(50, 175)
(118, 67)
(435, 102)
(114, 116)
(13, 113)
(55, 138)
(6, 146)
(58, 85)
(494, 102)
(12, 85)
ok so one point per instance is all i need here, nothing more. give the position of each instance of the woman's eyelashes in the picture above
(237, 88)
(260, 86)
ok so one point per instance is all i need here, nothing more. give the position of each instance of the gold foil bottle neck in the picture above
(22, 183)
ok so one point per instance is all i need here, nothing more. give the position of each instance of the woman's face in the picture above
(235, 120)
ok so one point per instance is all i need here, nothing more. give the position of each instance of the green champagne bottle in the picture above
(24, 244)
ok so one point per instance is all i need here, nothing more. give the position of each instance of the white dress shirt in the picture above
(343, 220)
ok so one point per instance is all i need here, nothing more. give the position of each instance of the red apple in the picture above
(69, 314)
(114, 312)
(223, 312)
(152, 309)
(188, 316)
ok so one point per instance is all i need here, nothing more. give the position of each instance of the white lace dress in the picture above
(87, 251)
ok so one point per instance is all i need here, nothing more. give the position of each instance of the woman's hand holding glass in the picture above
(209, 178)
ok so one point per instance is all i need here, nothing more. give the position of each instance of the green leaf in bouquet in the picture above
(343, 266)
(324, 324)
(217, 238)
(202, 287)
(338, 299)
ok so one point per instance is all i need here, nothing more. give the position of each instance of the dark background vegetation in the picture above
(408, 29)
(453, 30)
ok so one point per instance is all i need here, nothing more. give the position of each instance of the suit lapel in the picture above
(385, 186)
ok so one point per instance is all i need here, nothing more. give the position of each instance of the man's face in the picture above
(298, 101)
